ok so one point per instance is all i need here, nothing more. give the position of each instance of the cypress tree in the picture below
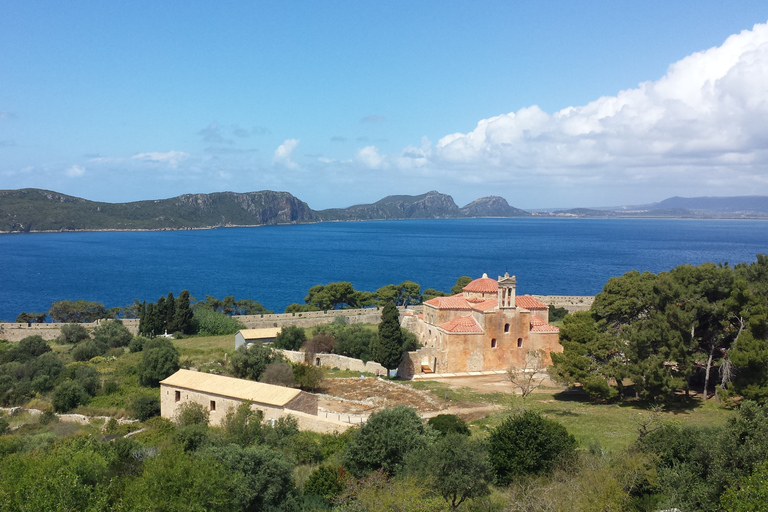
(388, 350)
(183, 317)
(169, 322)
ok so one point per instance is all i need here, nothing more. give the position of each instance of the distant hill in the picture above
(42, 210)
(743, 204)
(492, 206)
(29, 210)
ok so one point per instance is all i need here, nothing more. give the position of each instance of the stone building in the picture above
(244, 337)
(486, 327)
(219, 394)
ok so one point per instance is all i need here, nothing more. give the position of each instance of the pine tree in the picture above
(388, 350)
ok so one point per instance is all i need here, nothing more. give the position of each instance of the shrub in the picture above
(448, 424)
(72, 333)
(384, 441)
(305, 447)
(308, 377)
(528, 444)
(290, 338)
(68, 395)
(278, 373)
(325, 481)
(145, 407)
(112, 333)
(192, 413)
(86, 376)
(4, 428)
(250, 362)
(87, 350)
(214, 323)
(137, 344)
(159, 359)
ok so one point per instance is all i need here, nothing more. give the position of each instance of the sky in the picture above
(548, 104)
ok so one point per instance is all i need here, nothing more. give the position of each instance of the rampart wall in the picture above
(14, 331)
(335, 361)
(572, 303)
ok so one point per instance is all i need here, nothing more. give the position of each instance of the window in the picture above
(213, 405)
(493, 343)
(178, 396)
(506, 328)
(317, 361)
(519, 342)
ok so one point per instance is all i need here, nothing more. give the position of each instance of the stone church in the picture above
(486, 327)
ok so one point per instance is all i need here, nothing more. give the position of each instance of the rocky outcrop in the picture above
(492, 206)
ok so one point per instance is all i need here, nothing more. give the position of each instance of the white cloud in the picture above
(369, 156)
(75, 171)
(707, 114)
(170, 158)
(283, 154)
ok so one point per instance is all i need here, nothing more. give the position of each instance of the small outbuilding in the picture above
(219, 394)
(246, 336)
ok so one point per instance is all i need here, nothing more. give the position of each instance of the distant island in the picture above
(35, 210)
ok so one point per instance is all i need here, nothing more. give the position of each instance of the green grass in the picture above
(611, 426)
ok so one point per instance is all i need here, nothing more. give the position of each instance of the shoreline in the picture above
(224, 226)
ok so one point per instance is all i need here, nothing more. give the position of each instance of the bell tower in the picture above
(507, 285)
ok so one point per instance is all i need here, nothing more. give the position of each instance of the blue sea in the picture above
(276, 265)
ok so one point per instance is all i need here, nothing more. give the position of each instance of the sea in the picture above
(276, 265)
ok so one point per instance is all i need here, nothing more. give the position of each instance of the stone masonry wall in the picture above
(336, 361)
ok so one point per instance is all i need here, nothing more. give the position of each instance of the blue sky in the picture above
(547, 104)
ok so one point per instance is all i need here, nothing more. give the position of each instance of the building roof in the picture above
(455, 302)
(230, 387)
(260, 334)
(483, 285)
(485, 305)
(528, 302)
(461, 324)
(539, 325)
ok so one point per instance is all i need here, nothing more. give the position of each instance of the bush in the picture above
(87, 350)
(290, 338)
(448, 424)
(159, 360)
(145, 407)
(384, 441)
(325, 481)
(214, 323)
(72, 333)
(68, 395)
(192, 413)
(86, 376)
(4, 428)
(112, 333)
(305, 447)
(528, 444)
(250, 362)
(308, 377)
(278, 373)
(137, 344)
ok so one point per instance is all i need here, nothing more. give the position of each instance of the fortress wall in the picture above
(14, 331)
(336, 361)
(572, 303)
(313, 318)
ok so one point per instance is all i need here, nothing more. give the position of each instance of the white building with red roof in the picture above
(486, 327)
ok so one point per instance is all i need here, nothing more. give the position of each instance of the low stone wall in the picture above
(572, 303)
(335, 361)
(14, 331)
(313, 318)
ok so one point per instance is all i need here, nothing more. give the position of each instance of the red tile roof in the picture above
(483, 285)
(455, 302)
(485, 305)
(461, 324)
(539, 325)
(528, 302)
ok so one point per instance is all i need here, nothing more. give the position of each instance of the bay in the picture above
(276, 265)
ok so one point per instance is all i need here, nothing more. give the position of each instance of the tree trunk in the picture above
(709, 367)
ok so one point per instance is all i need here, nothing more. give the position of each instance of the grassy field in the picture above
(609, 426)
